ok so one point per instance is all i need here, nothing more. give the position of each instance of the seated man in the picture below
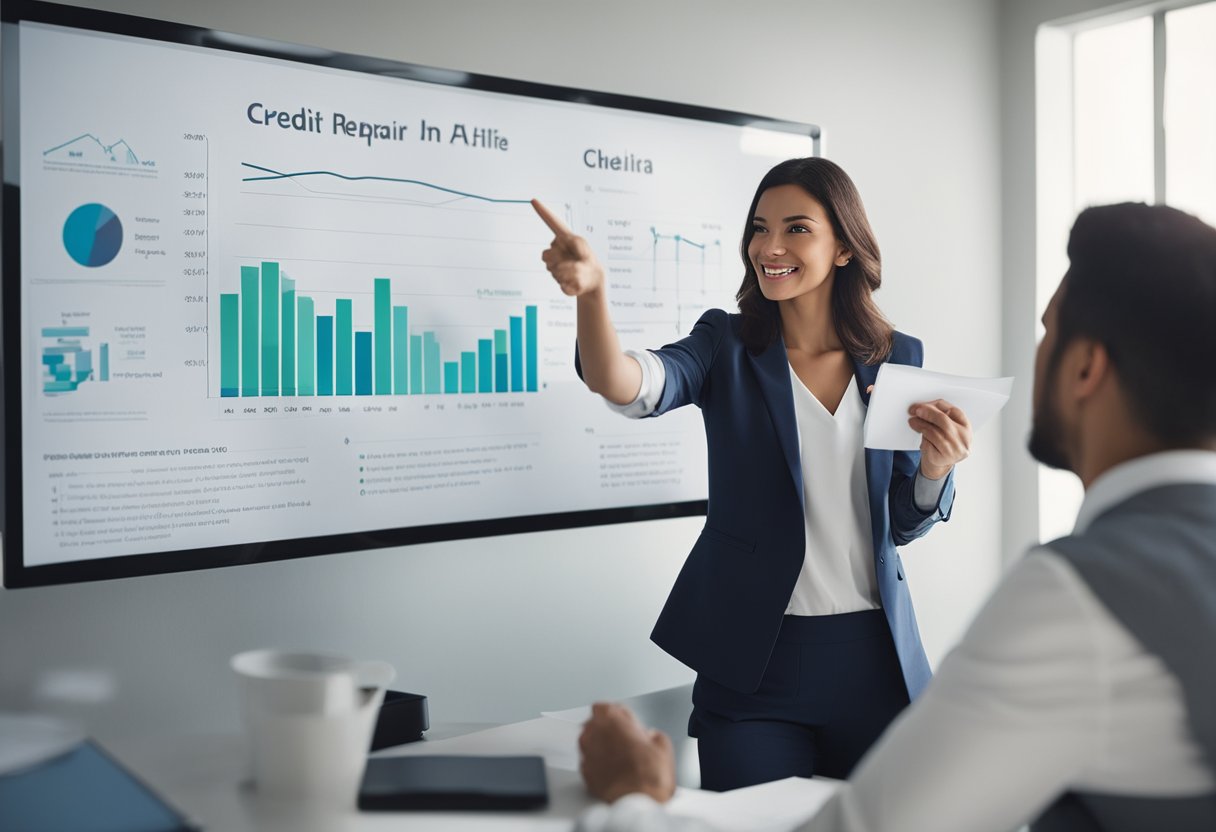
(1084, 693)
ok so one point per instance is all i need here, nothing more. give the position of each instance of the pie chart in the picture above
(92, 235)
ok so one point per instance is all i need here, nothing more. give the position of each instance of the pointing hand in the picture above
(569, 257)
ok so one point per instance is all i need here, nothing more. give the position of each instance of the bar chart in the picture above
(67, 362)
(273, 343)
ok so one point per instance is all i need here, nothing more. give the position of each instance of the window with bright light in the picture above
(1126, 111)
(1113, 114)
(1190, 110)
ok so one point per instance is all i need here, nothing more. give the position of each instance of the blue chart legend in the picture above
(67, 364)
(92, 235)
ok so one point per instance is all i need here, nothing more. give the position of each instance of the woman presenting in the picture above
(792, 605)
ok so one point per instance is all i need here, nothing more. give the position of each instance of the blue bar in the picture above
(485, 365)
(306, 367)
(251, 348)
(270, 328)
(451, 376)
(230, 345)
(363, 363)
(415, 364)
(325, 355)
(430, 361)
(517, 354)
(344, 341)
(468, 372)
(531, 348)
(287, 336)
(65, 332)
(105, 365)
(401, 340)
(500, 361)
(500, 373)
(384, 336)
(84, 365)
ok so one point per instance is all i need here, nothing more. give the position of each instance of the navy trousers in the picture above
(832, 685)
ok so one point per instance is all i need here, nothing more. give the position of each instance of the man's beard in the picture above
(1046, 442)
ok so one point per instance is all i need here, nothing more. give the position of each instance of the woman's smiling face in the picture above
(794, 249)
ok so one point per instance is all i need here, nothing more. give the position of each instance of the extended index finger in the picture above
(551, 219)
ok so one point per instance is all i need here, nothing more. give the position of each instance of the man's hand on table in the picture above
(620, 756)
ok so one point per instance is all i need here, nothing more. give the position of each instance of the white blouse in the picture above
(838, 570)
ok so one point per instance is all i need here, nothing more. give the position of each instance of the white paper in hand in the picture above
(899, 386)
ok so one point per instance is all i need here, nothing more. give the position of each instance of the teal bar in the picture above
(104, 349)
(325, 355)
(517, 354)
(401, 341)
(270, 329)
(383, 327)
(288, 344)
(84, 365)
(415, 364)
(430, 360)
(344, 339)
(306, 315)
(250, 348)
(468, 372)
(500, 361)
(451, 376)
(485, 365)
(230, 345)
(65, 331)
(530, 347)
(363, 363)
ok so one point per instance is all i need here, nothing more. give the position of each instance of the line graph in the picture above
(680, 240)
(271, 175)
(86, 147)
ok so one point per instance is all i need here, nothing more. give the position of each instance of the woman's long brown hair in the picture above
(861, 326)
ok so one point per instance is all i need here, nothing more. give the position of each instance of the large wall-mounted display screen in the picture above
(264, 301)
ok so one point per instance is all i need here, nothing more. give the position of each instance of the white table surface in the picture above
(206, 776)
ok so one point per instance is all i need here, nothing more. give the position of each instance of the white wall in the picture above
(498, 629)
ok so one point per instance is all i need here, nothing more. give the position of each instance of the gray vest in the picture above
(1151, 561)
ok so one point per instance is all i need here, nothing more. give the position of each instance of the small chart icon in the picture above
(92, 235)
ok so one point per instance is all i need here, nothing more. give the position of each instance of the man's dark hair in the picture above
(1142, 282)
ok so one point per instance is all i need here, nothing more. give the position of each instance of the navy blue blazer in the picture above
(726, 607)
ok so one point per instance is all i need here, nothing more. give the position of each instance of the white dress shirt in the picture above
(1046, 693)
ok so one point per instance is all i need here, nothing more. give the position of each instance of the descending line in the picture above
(275, 174)
(106, 148)
(679, 238)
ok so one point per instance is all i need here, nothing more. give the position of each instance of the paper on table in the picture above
(780, 805)
(29, 739)
(899, 386)
(580, 714)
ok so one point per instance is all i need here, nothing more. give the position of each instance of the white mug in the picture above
(310, 719)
